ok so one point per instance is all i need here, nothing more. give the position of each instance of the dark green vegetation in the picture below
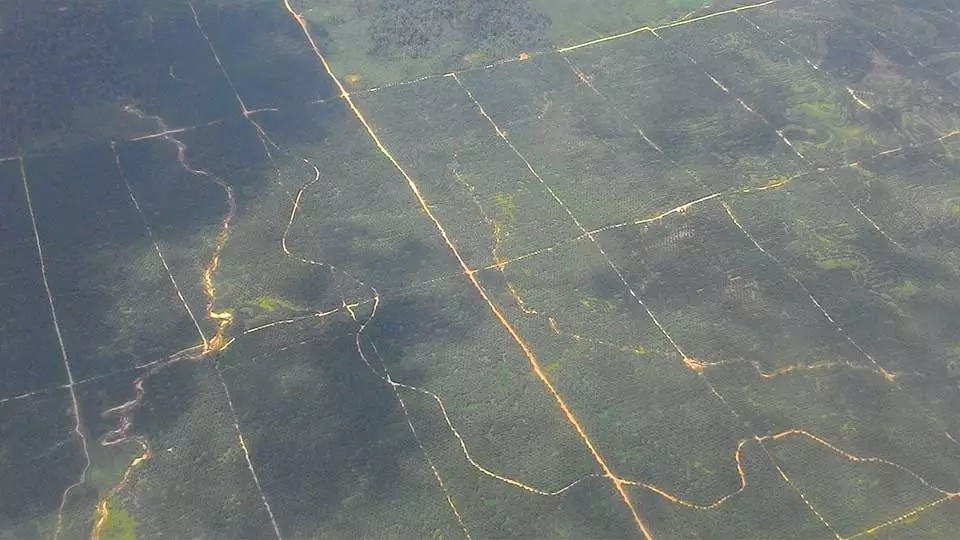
(392, 41)
(425, 28)
(732, 247)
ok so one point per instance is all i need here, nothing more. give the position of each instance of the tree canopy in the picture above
(422, 28)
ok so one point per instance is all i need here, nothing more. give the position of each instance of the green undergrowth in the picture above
(120, 525)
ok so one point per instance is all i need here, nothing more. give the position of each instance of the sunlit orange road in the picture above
(103, 511)
(618, 483)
